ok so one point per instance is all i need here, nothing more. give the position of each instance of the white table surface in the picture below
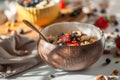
(42, 71)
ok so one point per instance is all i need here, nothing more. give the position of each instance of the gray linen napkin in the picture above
(17, 54)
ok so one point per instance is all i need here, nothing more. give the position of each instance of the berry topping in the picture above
(102, 23)
(74, 38)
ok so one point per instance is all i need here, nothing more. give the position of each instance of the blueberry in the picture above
(103, 11)
(73, 36)
(115, 22)
(21, 31)
(32, 3)
(51, 41)
(26, 5)
(14, 20)
(117, 30)
(60, 34)
(36, 1)
(108, 60)
(75, 13)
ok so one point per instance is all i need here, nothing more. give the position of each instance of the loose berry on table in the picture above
(108, 60)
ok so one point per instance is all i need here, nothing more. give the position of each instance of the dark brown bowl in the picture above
(71, 58)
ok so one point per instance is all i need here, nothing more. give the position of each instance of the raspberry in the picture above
(102, 23)
(66, 38)
(62, 4)
(118, 42)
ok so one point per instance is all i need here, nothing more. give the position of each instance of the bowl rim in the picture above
(101, 36)
(56, 3)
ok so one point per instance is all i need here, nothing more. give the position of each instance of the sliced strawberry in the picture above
(102, 23)
(66, 38)
(73, 43)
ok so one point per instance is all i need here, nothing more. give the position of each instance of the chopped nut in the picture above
(100, 77)
(86, 42)
(108, 37)
(85, 37)
(7, 30)
(81, 44)
(115, 72)
(79, 33)
(26, 52)
(104, 5)
(117, 53)
(92, 39)
(113, 17)
(13, 32)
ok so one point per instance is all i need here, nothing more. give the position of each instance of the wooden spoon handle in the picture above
(34, 28)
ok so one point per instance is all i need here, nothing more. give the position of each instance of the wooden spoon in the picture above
(35, 29)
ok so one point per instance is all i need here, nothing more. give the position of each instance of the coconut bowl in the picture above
(71, 58)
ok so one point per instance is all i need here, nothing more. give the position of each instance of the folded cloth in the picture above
(17, 54)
